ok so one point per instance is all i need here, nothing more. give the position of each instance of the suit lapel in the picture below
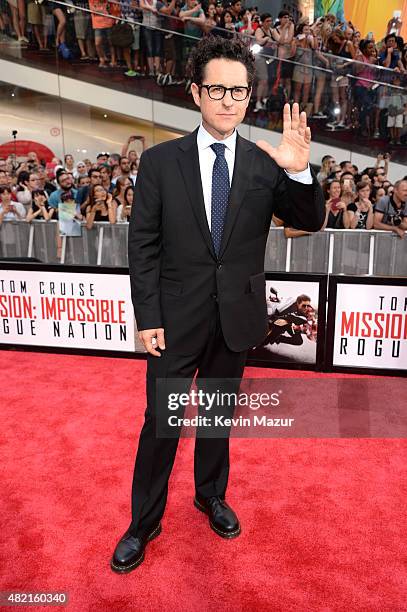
(240, 182)
(188, 160)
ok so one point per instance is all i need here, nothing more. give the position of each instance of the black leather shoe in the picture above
(129, 552)
(222, 519)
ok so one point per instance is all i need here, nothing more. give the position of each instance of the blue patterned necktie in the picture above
(220, 194)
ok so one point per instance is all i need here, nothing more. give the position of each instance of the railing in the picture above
(376, 253)
(329, 83)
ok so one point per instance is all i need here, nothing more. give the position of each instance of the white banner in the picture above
(63, 309)
(371, 326)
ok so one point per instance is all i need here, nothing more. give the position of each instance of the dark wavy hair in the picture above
(216, 47)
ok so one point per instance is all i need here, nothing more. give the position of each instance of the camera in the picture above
(397, 219)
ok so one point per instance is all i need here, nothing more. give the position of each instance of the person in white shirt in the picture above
(9, 210)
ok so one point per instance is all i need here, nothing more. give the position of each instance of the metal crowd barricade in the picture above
(15, 239)
(331, 251)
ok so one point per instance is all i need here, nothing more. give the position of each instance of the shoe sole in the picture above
(119, 569)
(224, 534)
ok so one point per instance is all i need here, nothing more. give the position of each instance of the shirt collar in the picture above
(204, 140)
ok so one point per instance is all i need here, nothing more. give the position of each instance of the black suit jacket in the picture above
(174, 272)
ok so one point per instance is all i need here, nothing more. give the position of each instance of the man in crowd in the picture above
(391, 211)
(102, 158)
(44, 183)
(347, 166)
(65, 183)
(124, 170)
(236, 9)
(83, 193)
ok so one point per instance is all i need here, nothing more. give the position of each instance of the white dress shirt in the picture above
(207, 157)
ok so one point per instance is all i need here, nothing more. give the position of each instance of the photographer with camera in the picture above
(391, 210)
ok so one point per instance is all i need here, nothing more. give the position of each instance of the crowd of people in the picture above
(103, 190)
(363, 198)
(342, 77)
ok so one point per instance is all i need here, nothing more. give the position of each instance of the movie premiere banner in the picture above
(367, 323)
(50, 307)
(296, 311)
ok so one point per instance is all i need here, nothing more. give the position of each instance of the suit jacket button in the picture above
(219, 266)
(214, 296)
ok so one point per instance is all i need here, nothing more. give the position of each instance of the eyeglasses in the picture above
(217, 92)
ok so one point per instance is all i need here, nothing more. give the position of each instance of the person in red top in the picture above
(247, 27)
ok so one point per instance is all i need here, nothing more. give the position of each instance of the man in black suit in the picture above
(197, 237)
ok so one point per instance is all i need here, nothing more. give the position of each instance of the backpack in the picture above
(121, 35)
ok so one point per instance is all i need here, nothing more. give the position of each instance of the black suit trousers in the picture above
(155, 456)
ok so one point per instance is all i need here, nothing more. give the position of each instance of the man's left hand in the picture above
(292, 153)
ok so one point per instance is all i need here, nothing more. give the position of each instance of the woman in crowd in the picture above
(305, 44)
(118, 194)
(124, 210)
(356, 39)
(364, 92)
(226, 26)
(56, 10)
(134, 170)
(36, 19)
(327, 166)
(39, 207)
(153, 37)
(360, 212)
(80, 170)
(264, 38)
(100, 206)
(10, 210)
(335, 208)
(246, 28)
(69, 163)
(130, 11)
(18, 16)
(376, 194)
(102, 26)
(84, 34)
(283, 35)
(321, 65)
(106, 176)
(340, 46)
(211, 20)
(27, 182)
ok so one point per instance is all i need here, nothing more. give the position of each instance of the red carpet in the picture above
(321, 519)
